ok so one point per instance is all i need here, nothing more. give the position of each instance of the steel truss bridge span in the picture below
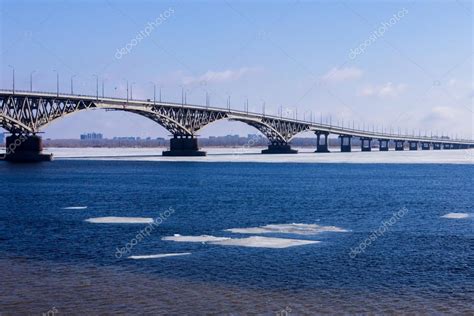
(27, 113)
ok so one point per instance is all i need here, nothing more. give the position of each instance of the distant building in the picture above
(91, 136)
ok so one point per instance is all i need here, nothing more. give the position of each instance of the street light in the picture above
(131, 90)
(154, 92)
(96, 86)
(31, 80)
(127, 88)
(72, 84)
(228, 102)
(13, 81)
(103, 80)
(57, 82)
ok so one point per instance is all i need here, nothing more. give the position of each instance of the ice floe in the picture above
(253, 241)
(264, 242)
(456, 215)
(294, 228)
(120, 220)
(201, 238)
(75, 208)
(162, 255)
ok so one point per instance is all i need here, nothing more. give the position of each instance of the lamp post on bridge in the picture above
(127, 88)
(96, 86)
(13, 77)
(72, 84)
(208, 99)
(154, 92)
(103, 90)
(31, 80)
(228, 101)
(131, 90)
(57, 82)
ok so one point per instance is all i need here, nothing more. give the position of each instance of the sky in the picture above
(400, 65)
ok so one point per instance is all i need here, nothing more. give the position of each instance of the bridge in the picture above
(24, 114)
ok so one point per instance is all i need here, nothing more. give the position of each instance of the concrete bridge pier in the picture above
(425, 146)
(183, 146)
(383, 144)
(436, 146)
(25, 148)
(276, 147)
(365, 144)
(413, 145)
(399, 145)
(345, 143)
(322, 145)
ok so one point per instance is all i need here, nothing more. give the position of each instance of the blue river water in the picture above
(50, 256)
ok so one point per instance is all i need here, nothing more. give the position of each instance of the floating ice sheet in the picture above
(75, 208)
(456, 215)
(253, 241)
(120, 220)
(161, 255)
(264, 242)
(201, 238)
(295, 228)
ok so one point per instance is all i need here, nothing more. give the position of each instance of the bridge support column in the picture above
(425, 146)
(413, 145)
(183, 146)
(345, 143)
(25, 148)
(365, 144)
(399, 145)
(322, 145)
(279, 148)
(436, 146)
(383, 144)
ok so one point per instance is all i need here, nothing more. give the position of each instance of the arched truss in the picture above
(26, 114)
(12, 125)
(277, 131)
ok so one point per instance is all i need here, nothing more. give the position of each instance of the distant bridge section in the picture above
(24, 114)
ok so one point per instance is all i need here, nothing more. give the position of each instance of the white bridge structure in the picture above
(25, 114)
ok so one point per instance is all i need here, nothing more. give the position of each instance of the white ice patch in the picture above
(298, 229)
(202, 238)
(264, 242)
(254, 241)
(163, 255)
(75, 208)
(120, 220)
(456, 215)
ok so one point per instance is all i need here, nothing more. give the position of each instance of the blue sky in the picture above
(415, 72)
